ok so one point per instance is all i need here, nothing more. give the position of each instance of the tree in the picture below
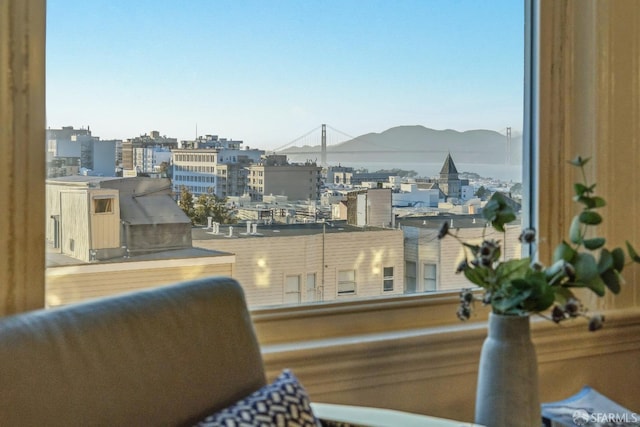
(186, 202)
(482, 192)
(211, 205)
(165, 170)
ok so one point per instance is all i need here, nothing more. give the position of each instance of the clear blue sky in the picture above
(268, 71)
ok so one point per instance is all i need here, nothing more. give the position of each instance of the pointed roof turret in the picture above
(449, 167)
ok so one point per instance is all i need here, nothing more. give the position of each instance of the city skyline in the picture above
(268, 72)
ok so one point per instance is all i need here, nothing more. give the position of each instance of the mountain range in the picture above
(418, 143)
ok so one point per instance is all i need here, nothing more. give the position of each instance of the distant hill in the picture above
(416, 143)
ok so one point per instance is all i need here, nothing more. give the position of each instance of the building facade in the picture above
(275, 176)
(97, 218)
(68, 148)
(213, 164)
(135, 159)
(431, 263)
(306, 263)
(449, 181)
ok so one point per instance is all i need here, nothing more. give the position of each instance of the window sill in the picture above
(393, 352)
(334, 319)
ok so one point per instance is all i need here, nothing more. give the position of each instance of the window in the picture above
(430, 277)
(388, 279)
(311, 287)
(405, 276)
(410, 277)
(101, 205)
(555, 140)
(292, 290)
(346, 282)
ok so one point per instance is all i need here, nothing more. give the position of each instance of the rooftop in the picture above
(56, 259)
(279, 230)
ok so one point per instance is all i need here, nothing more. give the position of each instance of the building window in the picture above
(430, 277)
(101, 206)
(410, 277)
(292, 290)
(387, 283)
(311, 287)
(346, 282)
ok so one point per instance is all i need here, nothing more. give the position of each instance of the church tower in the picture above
(449, 181)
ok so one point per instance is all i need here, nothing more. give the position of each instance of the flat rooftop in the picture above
(55, 259)
(279, 230)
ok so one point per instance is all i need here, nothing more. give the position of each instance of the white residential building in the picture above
(213, 164)
(92, 154)
(417, 194)
(300, 263)
(149, 159)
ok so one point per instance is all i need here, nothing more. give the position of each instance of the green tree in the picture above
(211, 205)
(482, 192)
(186, 203)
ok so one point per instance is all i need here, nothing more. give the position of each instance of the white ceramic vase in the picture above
(507, 392)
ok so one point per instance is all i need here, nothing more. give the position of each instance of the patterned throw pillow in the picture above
(284, 403)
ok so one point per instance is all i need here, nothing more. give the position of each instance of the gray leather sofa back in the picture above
(163, 357)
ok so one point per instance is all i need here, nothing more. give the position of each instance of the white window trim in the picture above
(338, 282)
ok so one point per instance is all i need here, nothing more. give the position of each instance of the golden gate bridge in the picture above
(337, 137)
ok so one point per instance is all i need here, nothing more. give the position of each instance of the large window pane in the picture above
(257, 159)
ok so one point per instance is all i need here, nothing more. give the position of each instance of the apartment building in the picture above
(213, 164)
(370, 208)
(431, 263)
(300, 263)
(150, 159)
(77, 147)
(274, 175)
(144, 153)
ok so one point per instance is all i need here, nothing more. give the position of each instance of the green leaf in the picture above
(498, 212)
(507, 305)
(575, 231)
(478, 276)
(554, 269)
(542, 295)
(579, 161)
(599, 202)
(632, 253)
(590, 218)
(580, 189)
(597, 285)
(512, 269)
(586, 267)
(611, 278)
(618, 259)
(563, 252)
(595, 243)
(590, 202)
(606, 261)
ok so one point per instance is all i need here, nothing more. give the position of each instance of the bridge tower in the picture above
(323, 156)
(508, 159)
